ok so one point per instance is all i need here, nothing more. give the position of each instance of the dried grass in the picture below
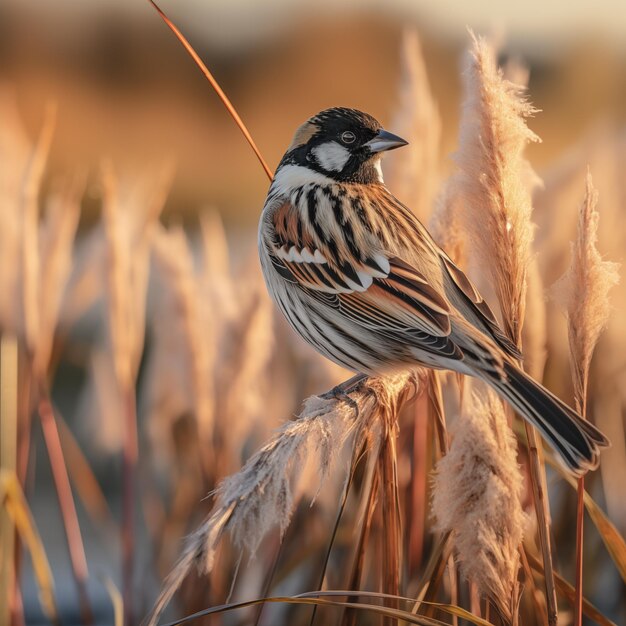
(182, 359)
(222, 371)
(263, 494)
(413, 173)
(583, 293)
(493, 180)
(476, 497)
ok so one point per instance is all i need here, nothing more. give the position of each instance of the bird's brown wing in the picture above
(478, 307)
(376, 291)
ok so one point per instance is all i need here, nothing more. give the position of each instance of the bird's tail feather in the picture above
(576, 441)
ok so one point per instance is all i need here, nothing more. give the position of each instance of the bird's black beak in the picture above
(384, 141)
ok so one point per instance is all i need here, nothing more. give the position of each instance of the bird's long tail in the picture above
(576, 441)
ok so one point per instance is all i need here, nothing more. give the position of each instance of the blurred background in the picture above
(126, 89)
(127, 94)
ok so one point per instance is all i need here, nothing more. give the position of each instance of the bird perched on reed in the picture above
(358, 276)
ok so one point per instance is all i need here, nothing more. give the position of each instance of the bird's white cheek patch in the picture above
(331, 156)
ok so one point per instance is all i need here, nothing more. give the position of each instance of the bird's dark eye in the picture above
(348, 137)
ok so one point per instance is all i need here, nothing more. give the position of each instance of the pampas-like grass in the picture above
(413, 173)
(15, 150)
(583, 293)
(130, 220)
(35, 250)
(496, 182)
(182, 361)
(534, 334)
(446, 223)
(130, 214)
(493, 180)
(476, 496)
(263, 494)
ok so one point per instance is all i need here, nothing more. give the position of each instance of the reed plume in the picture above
(130, 219)
(413, 173)
(15, 152)
(535, 333)
(182, 361)
(583, 293)
(476, 497)
(263, 494)
(493, 180)
(496, 182)
(36, 248)
(446, 222)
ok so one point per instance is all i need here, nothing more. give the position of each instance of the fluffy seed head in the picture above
(477, 489)
(583, 292)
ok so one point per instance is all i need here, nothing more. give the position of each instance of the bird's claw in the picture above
(339, 393)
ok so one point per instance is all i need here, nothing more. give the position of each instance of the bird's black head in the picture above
(342, 144)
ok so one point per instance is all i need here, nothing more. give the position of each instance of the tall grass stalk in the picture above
(262, 495)
(8, 465)
(218, 90)
(495, 181)
(128, 239)
(476, 497)
(413, 173)
(45, 260)
(584, 295)
(66, 504)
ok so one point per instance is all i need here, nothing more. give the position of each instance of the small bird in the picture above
(359, 277)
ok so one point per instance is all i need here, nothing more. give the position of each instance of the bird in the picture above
(359, 278)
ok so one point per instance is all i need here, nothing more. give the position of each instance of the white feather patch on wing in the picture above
(383, 263)
(293, 255)
(331, 156)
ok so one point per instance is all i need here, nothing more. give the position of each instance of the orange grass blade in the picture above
(13, 501)
(218, 90)
(73, 536)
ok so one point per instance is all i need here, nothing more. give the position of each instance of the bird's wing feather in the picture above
(479, 308)
(377, 291)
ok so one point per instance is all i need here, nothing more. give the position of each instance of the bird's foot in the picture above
(341, 392)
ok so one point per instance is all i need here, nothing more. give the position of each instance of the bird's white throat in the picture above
(291, 177)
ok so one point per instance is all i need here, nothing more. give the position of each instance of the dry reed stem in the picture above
(438, 415)
(222, 96)
(496, 182)
(182, 380)
(418, 486)
(476, 496)
(8, 466)
(84, 479)
(44, 262)
(56, 239)
(534, 334)
(364, 517)
(66, 503)
(41, 266)
(413, 173)
(263, 493)
(446, 222)
(128, 236)
(390, 501)
(13, 501)
(583, 292)
(30, 226)
(493, 135)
